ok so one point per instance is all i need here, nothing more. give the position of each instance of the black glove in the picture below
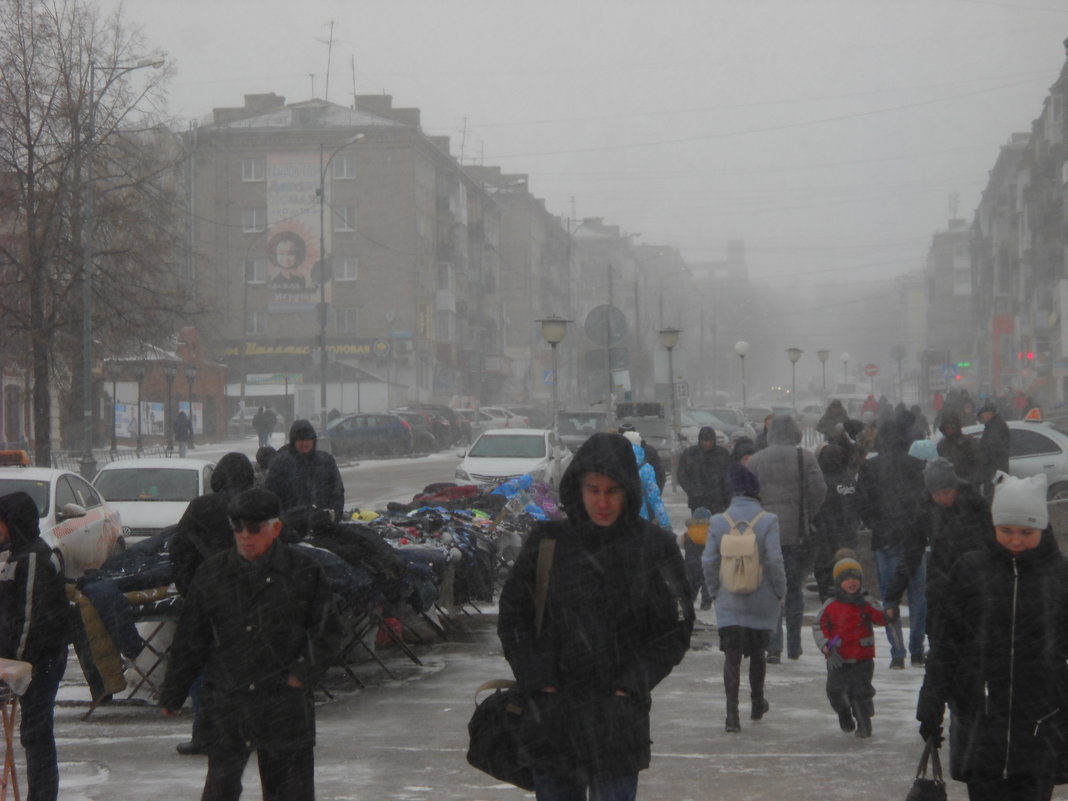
(931, 731)
(834, 660)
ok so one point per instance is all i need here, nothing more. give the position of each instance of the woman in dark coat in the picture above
(617, 619)
(1000, 658)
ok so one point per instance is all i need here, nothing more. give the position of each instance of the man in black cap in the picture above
(702, 474)
(34, 628)
(260, 622)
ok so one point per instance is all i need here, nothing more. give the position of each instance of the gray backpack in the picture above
(740, 571)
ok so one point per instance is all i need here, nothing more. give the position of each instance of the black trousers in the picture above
(36, 730)
(850, 688)
(284, 775)
(1014, 788)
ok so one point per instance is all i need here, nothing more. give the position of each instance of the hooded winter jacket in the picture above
(305, 479)
(890, 488)
(204, 529)
(702, 474)
(34, 615)
(652, 504)
(959, 448)
(618, 617)
(1000, 663)
(781, 478)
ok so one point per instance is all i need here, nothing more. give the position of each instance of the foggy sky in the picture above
(828, 134)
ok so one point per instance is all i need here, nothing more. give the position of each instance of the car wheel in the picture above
(1058, 492)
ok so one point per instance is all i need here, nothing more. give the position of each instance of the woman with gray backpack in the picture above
(744, 571)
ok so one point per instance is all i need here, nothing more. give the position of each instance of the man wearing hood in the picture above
(792, 487)
(993, 446)
(617, 618)
(702, 473)
(960, 449)
(890, 491)
(302, 475)
(34, 628)
(204, 531)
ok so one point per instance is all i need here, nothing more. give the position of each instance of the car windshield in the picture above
(147, 484)
(38, 490)
(703, 417)
(523, 446)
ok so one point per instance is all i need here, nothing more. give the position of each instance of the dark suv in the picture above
(379, 433)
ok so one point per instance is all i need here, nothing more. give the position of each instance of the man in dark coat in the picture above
(993, 446)
(953, 519)
(890, 490)
(617, 619)
(960, 449)
(1001, 660)
(183, 433)
(261, 624)
(702, 473)
(203, 531)
(792, 487)
(34, 628)
(302, 475)
(263, 424)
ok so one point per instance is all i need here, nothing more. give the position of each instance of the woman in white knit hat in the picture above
(1001, 662)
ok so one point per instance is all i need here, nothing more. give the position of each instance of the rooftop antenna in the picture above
(463, 140)
(311, 75)
(352, 64)
(329, 42)
(954, 204)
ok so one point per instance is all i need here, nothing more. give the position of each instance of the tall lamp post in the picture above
(112, 372)
(741, 347)
(845, 367)
(323, 270)
(669, 338)
(87, 466)
(139, 376)
(823, 356)
(553, 331)
(169, 372)
(190, 377)
(794, 354)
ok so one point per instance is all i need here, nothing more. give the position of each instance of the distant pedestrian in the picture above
(183, 433)
(959, 448)
(702, 474)
(303, 476)
(34, 628)
(652, 504)
(835, 525)
(264, 457)
(263, 423)
(844, 635)
(745, 620)
(993, 447)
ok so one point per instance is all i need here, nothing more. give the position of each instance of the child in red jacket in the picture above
(844, 634)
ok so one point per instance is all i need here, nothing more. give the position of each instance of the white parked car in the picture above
(501, 454)
(152, 494)
(501, 418)
(76, 521)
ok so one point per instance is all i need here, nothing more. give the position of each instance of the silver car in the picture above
(1037, 446)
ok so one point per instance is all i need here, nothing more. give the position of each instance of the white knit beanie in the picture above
(634, 437)
(1020, 501)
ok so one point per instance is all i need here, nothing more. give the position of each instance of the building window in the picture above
(346, 269)
(444, 275)
(255, 321)
(346, 321)
(344, 218)
(254, 220)
(255, 271)
(344, 167)
(252, 169)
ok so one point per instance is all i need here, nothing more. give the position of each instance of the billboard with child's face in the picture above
(293, 272)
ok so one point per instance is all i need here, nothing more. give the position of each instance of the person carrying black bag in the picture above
(617, 619)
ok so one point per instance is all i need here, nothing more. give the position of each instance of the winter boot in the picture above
(845, 720)
(863, 718)
(734, 723)
(760, 708)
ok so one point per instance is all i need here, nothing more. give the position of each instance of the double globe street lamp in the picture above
(794, 355)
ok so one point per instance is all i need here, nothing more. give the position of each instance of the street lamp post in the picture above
(169, 372)
(553, 331)
(112, 372)
(794, 354)
(669, 338)
(823, 355)
(741, 347)
(845, 367)
(190, 377)
(139, 375)
(87, 466)
(323, 271)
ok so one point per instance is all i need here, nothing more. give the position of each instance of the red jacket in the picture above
(852, 624)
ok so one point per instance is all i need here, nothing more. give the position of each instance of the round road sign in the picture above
(871, 369)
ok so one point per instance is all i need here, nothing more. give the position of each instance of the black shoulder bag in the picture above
(494, 746)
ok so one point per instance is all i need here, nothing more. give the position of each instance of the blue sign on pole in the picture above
(547, 377)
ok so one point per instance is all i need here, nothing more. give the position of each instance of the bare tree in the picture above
(77, 112)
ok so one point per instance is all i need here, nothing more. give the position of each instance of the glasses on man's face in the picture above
(250, 526)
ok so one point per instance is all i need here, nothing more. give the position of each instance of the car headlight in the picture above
(461, 474)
